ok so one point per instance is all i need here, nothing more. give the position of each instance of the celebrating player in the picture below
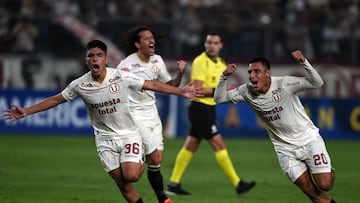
(105, 92)
(142, 61)
(300, 149)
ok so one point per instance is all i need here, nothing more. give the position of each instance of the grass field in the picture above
(64, 169)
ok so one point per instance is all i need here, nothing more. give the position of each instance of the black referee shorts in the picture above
(203, 123)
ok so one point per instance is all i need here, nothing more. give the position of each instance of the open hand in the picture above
(15, 113)
(191, 92)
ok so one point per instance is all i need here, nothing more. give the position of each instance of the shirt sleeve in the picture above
(198, 70)
(311, 80)
(70, 92)
(222, 95)
(121, 64)
(237, 95)
(132, 81)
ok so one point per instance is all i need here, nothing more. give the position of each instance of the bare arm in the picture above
(181, 69)
(16, 112)
(187, 91)
(206, 92)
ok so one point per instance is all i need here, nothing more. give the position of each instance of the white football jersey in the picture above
(107, 103)
(280, 108)
(142, 103)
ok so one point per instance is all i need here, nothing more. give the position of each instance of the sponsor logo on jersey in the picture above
(272, 111)
(86, 85)
(107, 107)
(136, 65)
(273, 114)
(106, 103)
(114, 79)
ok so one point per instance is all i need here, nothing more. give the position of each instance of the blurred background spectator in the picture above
(42, 45)
(326, 30)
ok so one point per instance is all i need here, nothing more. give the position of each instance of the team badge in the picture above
(276, 97)
(155, 69)
(114, 88)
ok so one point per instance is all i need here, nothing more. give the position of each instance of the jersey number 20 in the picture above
(320, 159)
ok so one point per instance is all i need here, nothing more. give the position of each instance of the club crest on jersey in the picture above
(114, 88)
(155, 69)
(276, 97)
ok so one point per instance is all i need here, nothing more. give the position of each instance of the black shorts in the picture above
(203, 123)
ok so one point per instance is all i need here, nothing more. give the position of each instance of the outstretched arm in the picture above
(313, 79)
(181, 65)
(16, 112)
(206, 92)
(187, 91)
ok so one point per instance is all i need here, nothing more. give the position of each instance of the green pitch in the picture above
(63, 169)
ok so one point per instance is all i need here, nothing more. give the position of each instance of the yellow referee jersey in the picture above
(208, 71)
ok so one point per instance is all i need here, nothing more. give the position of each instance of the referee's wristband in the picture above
(223, 77)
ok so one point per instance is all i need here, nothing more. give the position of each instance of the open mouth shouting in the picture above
(152, 48)
(96, 68)
(253, 84)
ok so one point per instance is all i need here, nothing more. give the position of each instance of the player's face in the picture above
(260, 77)
(213, 45)
(96, 61)
(146, 44)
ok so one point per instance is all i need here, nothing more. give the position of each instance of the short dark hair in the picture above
(263, 61)
(131, 36)
(96, 44)
(213, 33)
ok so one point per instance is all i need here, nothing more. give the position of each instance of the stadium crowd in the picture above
(323, 29)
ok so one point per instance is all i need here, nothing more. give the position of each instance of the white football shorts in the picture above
(113, 152)
(294, 160)
(151, 132)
